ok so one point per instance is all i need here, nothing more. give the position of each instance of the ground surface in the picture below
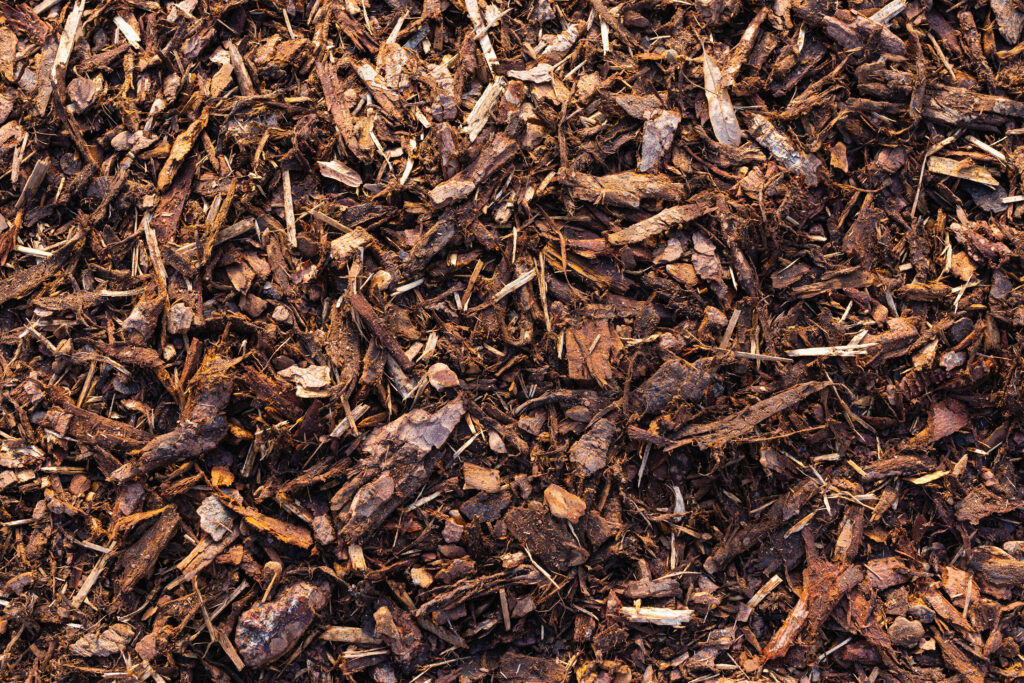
(541, 341)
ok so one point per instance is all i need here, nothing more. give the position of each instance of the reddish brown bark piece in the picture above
(825, 583)
(492, 157)
(626, 189)
(365, 311)
(591, 451)
(137, 561)
(664, 220)
(751, 534)
(997, 566)
(578, 340)
(400, 633)
(526, 669)
(673, 379)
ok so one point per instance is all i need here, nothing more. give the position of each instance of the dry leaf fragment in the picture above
(720, 110)
(309, 381)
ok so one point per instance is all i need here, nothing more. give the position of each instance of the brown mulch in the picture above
(543, 341)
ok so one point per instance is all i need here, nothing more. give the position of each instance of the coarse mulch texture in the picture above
(553, 340)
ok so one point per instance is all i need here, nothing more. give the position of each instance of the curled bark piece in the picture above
(658, 135)
(621, 189)
(103, 644)
(718, 433)
(853, 30)
(179, 150)
(591, 451)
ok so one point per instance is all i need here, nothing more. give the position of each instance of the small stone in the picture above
(421, 577)
(683, 273)
(579, 413)
(921, 612)
(147, 647)
(83, 93)
(271, 629)
(495, 443)
(214, 518)
(123, 141)
(179, 319)
(564, 505)
(441, 377)
(951, 360)
(451, 551)
(253, 306)
(281, 315)
(906, 633)
(523, 607)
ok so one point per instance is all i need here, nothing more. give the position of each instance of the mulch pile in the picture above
(555, 340)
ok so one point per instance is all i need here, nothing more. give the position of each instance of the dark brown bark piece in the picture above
(673, 379)
(137, 561)
(548, 540)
